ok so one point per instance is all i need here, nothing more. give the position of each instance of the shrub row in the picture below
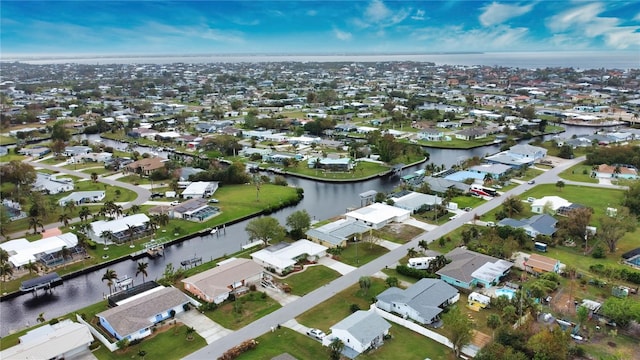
(414, 273)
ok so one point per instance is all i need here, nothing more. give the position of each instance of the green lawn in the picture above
(243, 311)
(286, 340)
(168, 343)
(134, 179)
(100, 171)
(362, 169)
(408, 345)
(9, 157)
(7, 140)
(310, 279)
(337, 307)
(577, 173)
(360, 253)
(467, 201)
(55, 160)
(124, 195)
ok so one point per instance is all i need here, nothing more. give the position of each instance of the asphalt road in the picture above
(142, 194)
(290, 311)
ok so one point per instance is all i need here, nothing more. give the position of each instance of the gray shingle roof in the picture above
(363, 325)
(425, 296)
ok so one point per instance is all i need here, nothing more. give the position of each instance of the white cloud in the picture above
(637, 17)
(195, 31)
(312, 13)
(377, 11)
(378, 15)
(342, 35)
(496, 13)
(585, 23)
(456, 38)
(419, 15)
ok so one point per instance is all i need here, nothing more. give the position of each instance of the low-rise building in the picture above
(63, 340)
(468, 269)
(121, 229)
(200, 189)
(542, 224)
(22, 251)
(539, 264)
(81, 197)
(283, 256)
(229, 277)
(378, 215)
(51, 184)
(359, 332)
(337, 233)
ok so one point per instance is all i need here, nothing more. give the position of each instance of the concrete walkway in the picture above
(420, 224)
(338, 266)
(205, 327)
(389, 244)
(280, 296)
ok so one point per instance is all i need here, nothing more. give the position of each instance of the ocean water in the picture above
(524, 60)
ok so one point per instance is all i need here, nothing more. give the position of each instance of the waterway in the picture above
(322, 201)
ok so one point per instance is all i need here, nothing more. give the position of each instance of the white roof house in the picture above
(200, 189)
(80, 197)
(413, 201)
(117, 226)
(22, 251)
(554, 202)
(58, 341)
(52, 185)
(283, 257)
(377, 215)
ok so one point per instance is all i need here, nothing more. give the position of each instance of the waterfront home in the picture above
(51, 184)
(431, 134)
(81, 197)
(469, 269)
(63, 340)
(529, 152)
(331, 164)
(414, 201)
(378, 215)
(620, 172)
(282, 257)
(134, 317)
(542, 224)
(70, 151)
(359, 332)
(471, 134)
(233, 276)
(196, 209)
(496, 171)
(200, 189)
(121, 229)
(539, 264)
(422, 302)
(22, 252)
(185, 172)
(35, 152)
(337, 233)
(146, 166)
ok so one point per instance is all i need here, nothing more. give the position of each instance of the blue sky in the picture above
(330, 26)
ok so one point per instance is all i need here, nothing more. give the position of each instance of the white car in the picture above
(175, 202)
(316, 333)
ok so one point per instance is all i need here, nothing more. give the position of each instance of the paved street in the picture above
(325, 292)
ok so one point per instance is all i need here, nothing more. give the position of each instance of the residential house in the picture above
(35, 152)
(526, 151)
(22, 252)
(200, 189)
(72, 151)
(620, 172)
(51, 184)
(185, 172)
(196, 209)
(81, 197)
(282, 257)
(414, 201)
(468, 269)
(471, 134)
(229, 277)
(331, 164)
(539, 264)
(337, 233)
(121, 229)
(548, 204)
(431, 134)
(359, 332)
(496, 171)
(441, 185)
(146, 166)
(102, 157)
(63, 340)
(134, 317)
(13, 209)
(542, 224)
(421, 302)
(378, 215)
(264, 153)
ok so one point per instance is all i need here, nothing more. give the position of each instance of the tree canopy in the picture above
(265, 228)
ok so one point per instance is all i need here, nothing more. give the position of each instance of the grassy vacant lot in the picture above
(577, 173)
(312, 278)
(9, 157)
(458, 143)
(363, 169)
(338, 307)
(243, 311)
(7, 140)
(289, 341)
(398, 233)
(467, 201)
(168, 343)
(113, 193)
(360, 253)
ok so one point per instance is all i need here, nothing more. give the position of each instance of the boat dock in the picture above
(46, 282)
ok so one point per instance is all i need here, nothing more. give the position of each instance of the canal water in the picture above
(321, 200)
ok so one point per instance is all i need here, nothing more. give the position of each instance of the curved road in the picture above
(143, 194)
(297, 307)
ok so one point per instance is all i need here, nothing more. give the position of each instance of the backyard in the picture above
(310, 279)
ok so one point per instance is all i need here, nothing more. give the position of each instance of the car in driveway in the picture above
(214, 201)
(316, 333)
(531, 182)
(174, 203)
(156, 195)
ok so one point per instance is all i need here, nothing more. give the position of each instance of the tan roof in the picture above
(148, 164)
(608, 169)
(134, 315)
(541, 262)
(219, 280)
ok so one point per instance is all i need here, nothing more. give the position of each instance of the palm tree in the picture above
(131, 230)
(32, 267)
(34, 222)
(512, 205)
(6, 270)
(118, 210)
(40, 318)
(4, 256)
(109, 276)
(163, 219)
(69, 206)
(135, 209)
(64, 218)
(423, 244)
(65, 251)
(488, 178)
(142, 269)
(84, 213)
(94, 177)
(411, 252)
(107, 234)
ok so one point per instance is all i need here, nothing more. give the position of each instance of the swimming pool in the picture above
(634, 261)
(510, 293)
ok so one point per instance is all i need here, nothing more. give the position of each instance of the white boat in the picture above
(215, 230)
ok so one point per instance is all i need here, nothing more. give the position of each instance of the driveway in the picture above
(204, 326)
(338, 266)
(420, 224)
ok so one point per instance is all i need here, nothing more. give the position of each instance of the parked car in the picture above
(531, 182)
(214, 201)
(175, 202)
(156, 195)
(316, 333)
